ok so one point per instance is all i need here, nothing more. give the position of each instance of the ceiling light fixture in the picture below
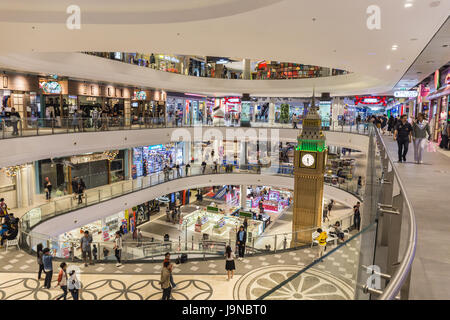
(394, 47)
(408, 5)
(388, 67)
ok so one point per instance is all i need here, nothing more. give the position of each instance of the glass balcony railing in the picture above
(30, 127)
(376, 262)
(149, 250)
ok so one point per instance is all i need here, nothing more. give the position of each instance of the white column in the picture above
(243, 196)
(271, 113)
(247, 73)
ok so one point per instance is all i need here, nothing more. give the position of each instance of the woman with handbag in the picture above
(74, 285)
(47, 188)
(421, 129)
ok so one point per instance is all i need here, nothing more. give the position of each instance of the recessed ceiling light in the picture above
(388, 67)
(413, 39)
(408, 5)
(435, 4)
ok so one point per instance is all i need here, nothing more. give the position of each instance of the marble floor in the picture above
(335, 278)
(427, 186)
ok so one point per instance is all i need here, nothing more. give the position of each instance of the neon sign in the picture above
(370, 100)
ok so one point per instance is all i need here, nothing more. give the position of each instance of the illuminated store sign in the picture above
(50, 87)
(405, 94)
(169, 58)
(139, 95)
(370, 100)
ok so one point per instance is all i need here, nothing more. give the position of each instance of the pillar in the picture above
(247, 71)
(243, 159)
(243, 196)
(271, 113)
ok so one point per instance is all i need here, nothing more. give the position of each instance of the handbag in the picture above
(431, 147)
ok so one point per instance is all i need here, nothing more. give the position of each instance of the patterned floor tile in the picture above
(193, 268)
(13, 260)
(138, 270)
(7, 267)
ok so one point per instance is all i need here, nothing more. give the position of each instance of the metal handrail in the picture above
(401, 273)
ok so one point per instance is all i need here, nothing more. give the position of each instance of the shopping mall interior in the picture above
(275, 149)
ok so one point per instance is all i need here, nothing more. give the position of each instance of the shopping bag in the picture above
(431, 147)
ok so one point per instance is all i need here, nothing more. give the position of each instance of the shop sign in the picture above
(232, 100)
(370, 100)
(169, 58)
(88, 158)
(50, 87)
(436, 79)
(405, 94)
(139, 95)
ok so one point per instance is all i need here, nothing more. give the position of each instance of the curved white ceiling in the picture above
(328, 33)
(83, 66)
(25, 150)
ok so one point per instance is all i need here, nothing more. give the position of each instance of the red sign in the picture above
(370, 100)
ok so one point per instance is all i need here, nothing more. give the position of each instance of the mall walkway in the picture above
(427, 187)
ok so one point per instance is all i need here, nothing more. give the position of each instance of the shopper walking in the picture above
(165, 280)
(421, 129)
(47, 260)
(14, 119)
(40, 253)
(74, 285)
(47, 188)
(359, 185)
(402, 134)
(62, 280)
(322, 242)
(391, 122)
(229, 262)
(187, 168)
(203, 167)
(330, 207)
(241, 240)
(445, 133)
(80, 190)
(118, 248)
(85, 243)
(357, 216)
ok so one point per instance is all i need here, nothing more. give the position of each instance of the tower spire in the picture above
(313, 100)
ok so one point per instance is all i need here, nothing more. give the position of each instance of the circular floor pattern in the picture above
(106, 289)
(310, 285)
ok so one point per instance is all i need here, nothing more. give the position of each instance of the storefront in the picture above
(141, 105)
(439, 104)
(273, 200)
(95, 169)
(187, 109)
(54, 101)
(19, 91)
(232, 108)
(152, 159)
(221, 223)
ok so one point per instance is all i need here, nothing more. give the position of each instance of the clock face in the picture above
(308, 160)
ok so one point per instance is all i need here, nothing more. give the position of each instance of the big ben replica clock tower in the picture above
(309, 168)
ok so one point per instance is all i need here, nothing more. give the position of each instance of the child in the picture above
(62, 280)
(94, 252)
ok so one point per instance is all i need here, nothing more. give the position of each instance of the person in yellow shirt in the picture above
(322, 240)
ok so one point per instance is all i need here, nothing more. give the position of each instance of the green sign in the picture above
(245, 214)
(212, 209)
